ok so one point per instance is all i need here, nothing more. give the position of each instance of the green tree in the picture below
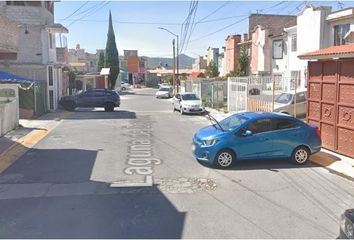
(235, 73)
(111, 55)
(244, 60)
(100, 63)
(211, 70)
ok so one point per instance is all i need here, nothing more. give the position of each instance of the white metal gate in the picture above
(236, 96)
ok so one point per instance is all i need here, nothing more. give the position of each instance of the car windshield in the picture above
(233, 121)
(189, 97)
(284, 98)
(164, 89)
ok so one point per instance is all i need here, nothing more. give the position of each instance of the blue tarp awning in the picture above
(6, 77)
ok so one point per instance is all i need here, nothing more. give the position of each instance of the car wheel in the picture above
(300, 155)
(109, 107)
(70, 106)
(225, 158)
(123, 89)
(181, 111)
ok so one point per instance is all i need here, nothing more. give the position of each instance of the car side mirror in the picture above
(247, 133)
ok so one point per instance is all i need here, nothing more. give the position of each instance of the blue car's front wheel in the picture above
(225, 158)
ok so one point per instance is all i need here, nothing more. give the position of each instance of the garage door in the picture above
(331, 103)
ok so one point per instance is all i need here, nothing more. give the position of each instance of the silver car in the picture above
(284, 103)
(164, 92)
(187, 102)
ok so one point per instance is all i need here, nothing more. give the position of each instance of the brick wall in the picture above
(9, 35)
(231, 52)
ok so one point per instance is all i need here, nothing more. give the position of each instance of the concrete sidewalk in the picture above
(333, 162)
(16, 142)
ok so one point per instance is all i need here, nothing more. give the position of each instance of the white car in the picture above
(187, 102)
(125, 86)
(284, 103)
(164, 92)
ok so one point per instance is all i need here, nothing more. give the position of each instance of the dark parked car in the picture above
(347, 224)
(92, 98)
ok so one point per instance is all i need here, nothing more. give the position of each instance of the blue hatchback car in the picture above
(252, 135)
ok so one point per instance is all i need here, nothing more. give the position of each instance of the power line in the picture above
(76, 10)
(221, 29)
(273, 6)
(224, 18)
(192, 27)
(216, 10)
(98, 7)
(123, 22)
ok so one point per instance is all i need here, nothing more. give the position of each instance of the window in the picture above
(50, 40)
(295, 79)
(339, 33)
(51, 99)
(278, 49)
(259, 126)
(300, 97)
(49, 5)
(283, 123)
(50, 75)
(294, 42)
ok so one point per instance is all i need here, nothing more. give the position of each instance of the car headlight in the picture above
(347, 227)
(209, 142)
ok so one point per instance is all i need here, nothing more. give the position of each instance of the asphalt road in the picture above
(73, 184)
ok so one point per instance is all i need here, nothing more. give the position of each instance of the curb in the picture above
(23, 144)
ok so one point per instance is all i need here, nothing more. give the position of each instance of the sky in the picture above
(136, 23)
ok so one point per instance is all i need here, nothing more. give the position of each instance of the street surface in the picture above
(75, 184)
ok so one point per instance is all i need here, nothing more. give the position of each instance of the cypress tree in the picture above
(111, 55)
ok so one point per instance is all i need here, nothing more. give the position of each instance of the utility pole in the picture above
(174, 66)
(176, 35)
(178, 82)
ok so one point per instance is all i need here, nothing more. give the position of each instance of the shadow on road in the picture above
(47, 194)
(92, 113)
(269, 164)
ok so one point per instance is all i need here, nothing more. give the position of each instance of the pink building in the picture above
(231, 52)
(261, 49)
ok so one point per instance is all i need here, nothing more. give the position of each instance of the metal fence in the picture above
(213, 92)
(257, 93)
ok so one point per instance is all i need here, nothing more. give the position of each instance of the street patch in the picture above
(186, 185)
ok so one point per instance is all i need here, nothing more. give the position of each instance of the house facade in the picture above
(36, 57)
(232, 49)
(212, 56)
(268, 52)
(310, 34)
(135, 66)
(81, 60)
(199, 63)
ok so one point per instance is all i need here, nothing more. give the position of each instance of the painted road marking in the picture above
(148, 183)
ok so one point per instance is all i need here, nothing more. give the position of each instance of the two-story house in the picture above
(36, 56)
(268, 52)
(311, 33)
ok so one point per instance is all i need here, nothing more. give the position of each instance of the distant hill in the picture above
(184, 61)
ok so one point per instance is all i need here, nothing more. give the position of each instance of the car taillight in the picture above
(318, 132)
